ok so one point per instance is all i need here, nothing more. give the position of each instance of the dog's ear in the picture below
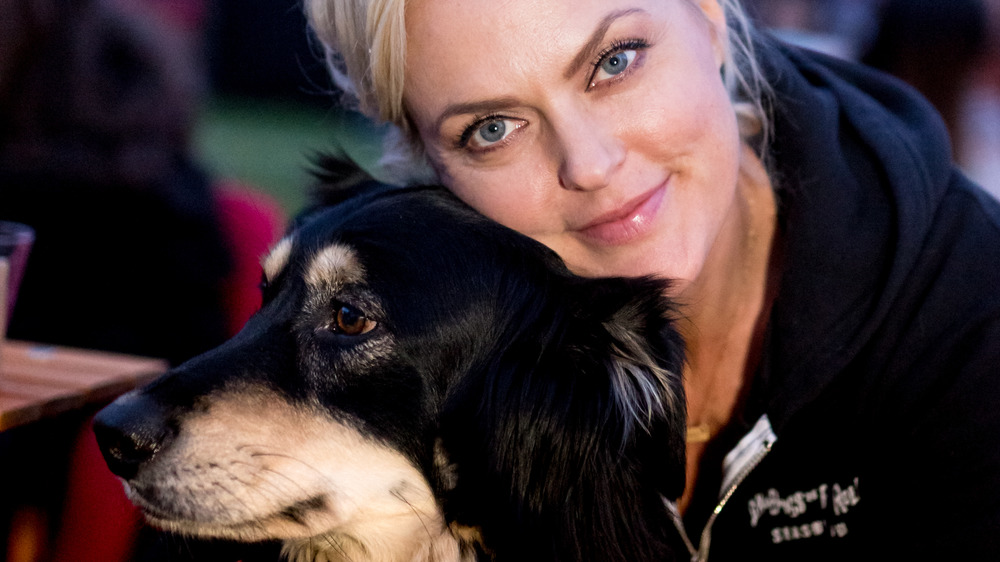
(579, 422)
(340, 178)
(624, 329)
(630, 324)
(338, 171)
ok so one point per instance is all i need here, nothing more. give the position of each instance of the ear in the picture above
(715, 14)
(578, 428)
(644, 358)
(341, 178)
(647, 354)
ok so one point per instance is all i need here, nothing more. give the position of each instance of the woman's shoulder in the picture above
(831, 115)
(887, 249)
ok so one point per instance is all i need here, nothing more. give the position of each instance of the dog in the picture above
(420, 384)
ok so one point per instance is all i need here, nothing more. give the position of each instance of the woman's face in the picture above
(600, 128)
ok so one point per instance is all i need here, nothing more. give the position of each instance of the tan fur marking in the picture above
(334, 265)
(469, 537)
(254, 466)
(277, 258)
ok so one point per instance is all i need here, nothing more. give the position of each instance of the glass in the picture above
(15, 245)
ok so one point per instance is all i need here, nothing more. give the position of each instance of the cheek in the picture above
(685, 112)
(517, 196)
(693, 132)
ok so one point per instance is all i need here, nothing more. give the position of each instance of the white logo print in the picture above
(823, 498)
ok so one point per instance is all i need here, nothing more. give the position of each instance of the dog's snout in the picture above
(130, 432)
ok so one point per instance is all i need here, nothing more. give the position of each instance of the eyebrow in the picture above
(476, 107)
(589, 49)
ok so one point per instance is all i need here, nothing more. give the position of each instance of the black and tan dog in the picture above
(420, 384)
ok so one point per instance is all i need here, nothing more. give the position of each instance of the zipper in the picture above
(706, 534)
(738, 464)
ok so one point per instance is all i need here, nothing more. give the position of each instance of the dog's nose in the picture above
(131, 431)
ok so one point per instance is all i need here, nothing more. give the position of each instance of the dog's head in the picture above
(420, 383)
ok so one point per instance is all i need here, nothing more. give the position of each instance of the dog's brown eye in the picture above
(352, 322)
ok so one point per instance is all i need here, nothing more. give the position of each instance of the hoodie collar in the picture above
(862, 163)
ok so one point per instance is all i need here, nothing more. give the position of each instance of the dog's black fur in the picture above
(543, 410)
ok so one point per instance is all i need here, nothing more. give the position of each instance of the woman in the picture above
(837, 276)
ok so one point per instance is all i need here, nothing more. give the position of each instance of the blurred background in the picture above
(267, 92)
(158, 147)
(948, 50)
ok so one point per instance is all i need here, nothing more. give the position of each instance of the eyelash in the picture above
(463, 139)
(615, 48)
(618, 46)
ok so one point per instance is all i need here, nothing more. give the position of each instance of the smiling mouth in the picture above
(627, 223)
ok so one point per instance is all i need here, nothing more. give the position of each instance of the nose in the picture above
(131, 431)
(591, 151)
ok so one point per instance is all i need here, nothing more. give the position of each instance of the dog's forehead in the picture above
(332, 265)
(401, 234)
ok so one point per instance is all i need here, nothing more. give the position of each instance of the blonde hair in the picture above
(365, 46)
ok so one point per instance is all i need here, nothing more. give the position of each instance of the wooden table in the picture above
(41, 381)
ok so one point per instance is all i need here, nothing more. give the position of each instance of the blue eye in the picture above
(612, 65)
(489, 131)
(614, 61)
(492, 132)
(617, 62)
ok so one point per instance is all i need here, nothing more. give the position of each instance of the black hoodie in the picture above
(875, 406)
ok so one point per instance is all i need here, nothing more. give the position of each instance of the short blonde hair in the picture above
(365, 46)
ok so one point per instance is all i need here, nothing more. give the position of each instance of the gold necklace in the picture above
(701, 433)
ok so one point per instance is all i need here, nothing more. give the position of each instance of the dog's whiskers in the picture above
(420, 515)
(261, 451)
(280, 491)
(338, 544)
(327, 483)
(236, 497)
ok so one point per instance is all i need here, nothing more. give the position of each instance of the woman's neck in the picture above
(724, 308)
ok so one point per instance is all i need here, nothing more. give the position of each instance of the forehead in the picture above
(482, 44)
(466, 60)
(489, 22)
(369, 238)
(336, 264)
(332, 265)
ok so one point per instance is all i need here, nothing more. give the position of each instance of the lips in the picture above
(628, 222)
